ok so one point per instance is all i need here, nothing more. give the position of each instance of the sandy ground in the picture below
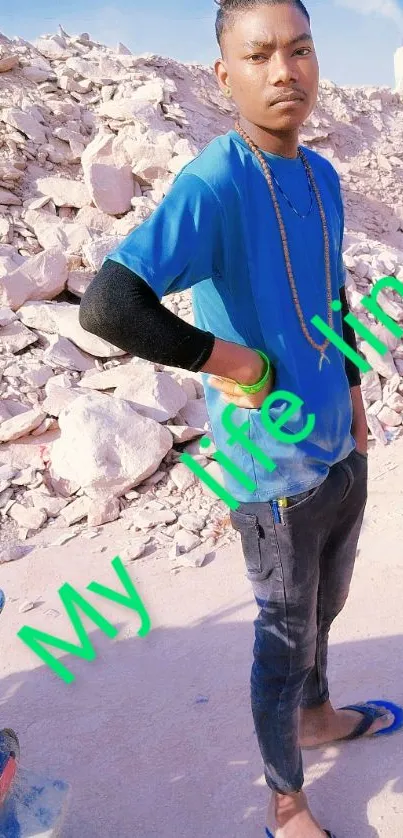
(156, 735)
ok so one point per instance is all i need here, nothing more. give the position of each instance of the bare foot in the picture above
(319, 725)
(289, 817)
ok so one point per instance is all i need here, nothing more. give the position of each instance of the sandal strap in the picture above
(369, 714)
(330, 834)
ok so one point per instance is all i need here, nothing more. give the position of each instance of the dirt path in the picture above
(156, 735)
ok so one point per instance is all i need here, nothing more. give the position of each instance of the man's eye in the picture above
(304, 49)
(257, 55)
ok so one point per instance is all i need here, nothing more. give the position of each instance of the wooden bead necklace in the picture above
(321, 348)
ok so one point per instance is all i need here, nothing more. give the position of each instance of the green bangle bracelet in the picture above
(255, 388)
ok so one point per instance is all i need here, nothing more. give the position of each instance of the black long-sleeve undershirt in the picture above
(352, 372)
(121, 308)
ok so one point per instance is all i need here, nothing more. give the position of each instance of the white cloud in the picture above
(391, 9)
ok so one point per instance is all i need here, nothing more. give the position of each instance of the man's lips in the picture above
(292, 97)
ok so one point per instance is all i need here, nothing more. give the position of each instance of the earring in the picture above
(228, 91)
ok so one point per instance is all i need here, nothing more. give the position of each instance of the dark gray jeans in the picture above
(300, 571)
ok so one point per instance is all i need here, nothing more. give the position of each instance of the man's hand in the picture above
(359, 428)
(233, 394)
(231, 364)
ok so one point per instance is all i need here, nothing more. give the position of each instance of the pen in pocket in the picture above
(276, 512)
(277, 508)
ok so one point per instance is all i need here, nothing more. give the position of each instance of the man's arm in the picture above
(182, 243)
(359, 427)
(120, 307)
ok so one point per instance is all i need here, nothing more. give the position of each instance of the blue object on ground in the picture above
(369, 715)
(396, 710)
(330, 834)
(9, 824)
(2, 600)
(35, 807)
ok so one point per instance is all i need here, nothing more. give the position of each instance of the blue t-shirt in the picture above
(216, 231)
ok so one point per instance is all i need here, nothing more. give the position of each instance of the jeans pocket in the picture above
(302, 499)
(256, 561)
(359, 454)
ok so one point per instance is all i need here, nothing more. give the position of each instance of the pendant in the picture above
(323, 356)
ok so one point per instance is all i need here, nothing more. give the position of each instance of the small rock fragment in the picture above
(27, 605)
(186, 541)
(103, 511)
(30, 518)
(134, 549)
(76, 511)
(182, 476)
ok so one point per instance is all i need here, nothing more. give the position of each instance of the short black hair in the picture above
(228, 9)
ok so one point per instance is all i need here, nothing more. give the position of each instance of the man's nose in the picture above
(282, 70)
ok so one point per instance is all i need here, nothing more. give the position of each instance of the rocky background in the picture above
(90, 141)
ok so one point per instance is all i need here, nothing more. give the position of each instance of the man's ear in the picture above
(222, 74)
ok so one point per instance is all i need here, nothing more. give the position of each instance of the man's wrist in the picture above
(235, 361)
(252, 373)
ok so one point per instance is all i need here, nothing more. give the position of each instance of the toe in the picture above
(384, 721)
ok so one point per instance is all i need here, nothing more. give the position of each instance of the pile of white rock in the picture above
(91, 140)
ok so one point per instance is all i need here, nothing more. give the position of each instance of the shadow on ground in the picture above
(156, 736)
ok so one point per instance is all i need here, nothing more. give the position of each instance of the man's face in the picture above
(268, 54)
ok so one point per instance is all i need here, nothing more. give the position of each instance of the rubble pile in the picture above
(90, 141)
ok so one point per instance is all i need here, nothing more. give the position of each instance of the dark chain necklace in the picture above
(286, 196)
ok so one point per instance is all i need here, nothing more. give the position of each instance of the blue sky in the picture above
(355, 39)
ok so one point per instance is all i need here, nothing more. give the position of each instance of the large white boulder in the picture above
(22, 424)
(104, 70)
(25, 122)
(63, 353)
(10, 259)
(95, 219)
(62, 319)
(48, 272)
(110, 184)
(59, 399)
(95, 251)
(37, 74)
(41, 277)
(111, 378)
(15, 336)
(52, 47)
(29, 518)
(8, 198)
(64, 192)
(8, 62)
(129, 108)
(153, 394)
(15, 289)
(52, 231)
(382, 364)
(195, 414)
(102, 448)
(148, 160)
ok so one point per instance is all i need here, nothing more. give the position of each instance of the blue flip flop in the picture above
(370, 713)
(396, 711)
(270, 834)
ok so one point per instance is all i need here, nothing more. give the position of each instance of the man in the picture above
(254, 224)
